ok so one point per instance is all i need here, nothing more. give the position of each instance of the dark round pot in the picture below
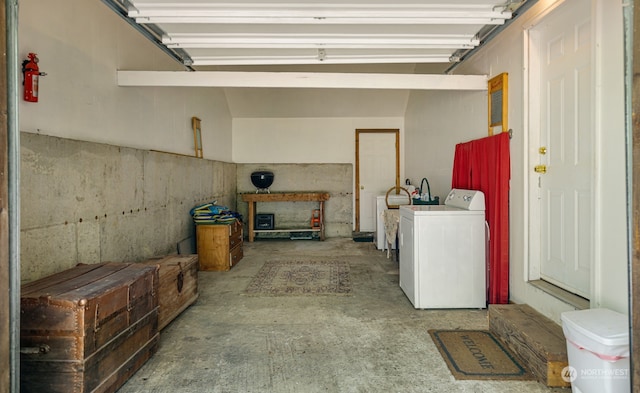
(262, 179)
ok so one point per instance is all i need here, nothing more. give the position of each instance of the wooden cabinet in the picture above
(219, 245)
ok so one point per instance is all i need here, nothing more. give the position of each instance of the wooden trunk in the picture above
(178, 287)
(89, 328)
(219, 245)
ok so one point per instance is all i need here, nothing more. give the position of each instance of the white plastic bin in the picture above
(598, 351)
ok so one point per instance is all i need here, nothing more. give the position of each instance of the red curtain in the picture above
(484, 165)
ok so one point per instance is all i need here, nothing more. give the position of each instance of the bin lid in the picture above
(602, 331)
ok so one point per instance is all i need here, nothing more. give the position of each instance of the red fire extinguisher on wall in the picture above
(31, 75)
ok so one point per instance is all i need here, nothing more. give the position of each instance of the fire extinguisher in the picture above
(31, 73)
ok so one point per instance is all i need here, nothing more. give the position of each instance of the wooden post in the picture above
(251, 223)
(322, 220)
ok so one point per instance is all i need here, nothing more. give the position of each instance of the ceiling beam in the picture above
(376, 20)
(238, 56)
(319, 59)
(332, 13)
(302, 80)
(301, 40)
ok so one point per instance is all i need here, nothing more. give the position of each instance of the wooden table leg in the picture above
(321, 220)
(252, 211)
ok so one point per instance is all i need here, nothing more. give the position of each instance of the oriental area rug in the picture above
(477, 354)
(301, 277)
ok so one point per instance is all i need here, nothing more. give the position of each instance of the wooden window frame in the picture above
(498, 87)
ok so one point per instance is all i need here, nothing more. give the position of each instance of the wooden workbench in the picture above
(251, 199)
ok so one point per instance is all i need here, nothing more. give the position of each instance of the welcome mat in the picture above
(477, 354)
(301, 276)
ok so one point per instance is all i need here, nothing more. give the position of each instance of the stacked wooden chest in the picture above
(219, 245)
(178, 288)
(88, 329)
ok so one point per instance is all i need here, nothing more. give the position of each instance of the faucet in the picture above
(424, 179)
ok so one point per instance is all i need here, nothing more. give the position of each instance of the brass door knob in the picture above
(540, 168)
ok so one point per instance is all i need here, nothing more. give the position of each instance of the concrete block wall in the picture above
(85, 202)
(336, 179)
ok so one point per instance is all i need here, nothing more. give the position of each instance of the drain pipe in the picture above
(13, 158)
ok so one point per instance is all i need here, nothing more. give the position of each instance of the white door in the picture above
(561, 85)
(377, 167)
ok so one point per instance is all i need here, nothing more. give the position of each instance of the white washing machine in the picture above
(443, 252)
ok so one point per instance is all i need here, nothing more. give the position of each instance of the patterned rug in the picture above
(301, 276)
(477, 354)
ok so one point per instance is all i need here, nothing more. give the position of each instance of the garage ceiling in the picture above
(205, 33)
(247, 46)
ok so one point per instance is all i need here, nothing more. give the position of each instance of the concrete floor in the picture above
(371, 341)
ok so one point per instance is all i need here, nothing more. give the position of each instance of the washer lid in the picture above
(438, 210)
(465, 199)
